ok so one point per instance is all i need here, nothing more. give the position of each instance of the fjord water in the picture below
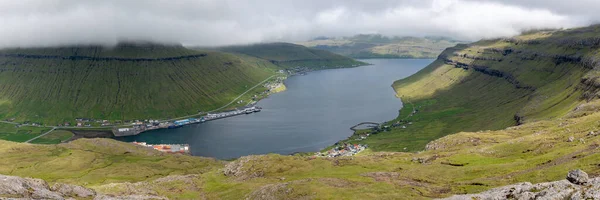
(314, 112)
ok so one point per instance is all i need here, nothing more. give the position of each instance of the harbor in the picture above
(143, 126)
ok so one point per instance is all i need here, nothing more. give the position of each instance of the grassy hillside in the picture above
(493, 84)
(54, 85)
(291, 55)
(466, 162)
(378, 46)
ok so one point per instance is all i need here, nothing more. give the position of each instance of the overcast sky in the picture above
(225, 22)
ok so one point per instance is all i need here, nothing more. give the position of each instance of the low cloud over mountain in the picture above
(223, 22)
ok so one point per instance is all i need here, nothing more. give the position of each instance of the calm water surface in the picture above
(314, 112)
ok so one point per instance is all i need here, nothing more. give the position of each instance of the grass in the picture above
(54, 137)
(533, 152)
(20, 134)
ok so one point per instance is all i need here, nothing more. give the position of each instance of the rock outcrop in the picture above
(576, 186)
(17, 187)
(13, 187)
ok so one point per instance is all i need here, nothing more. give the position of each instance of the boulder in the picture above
(576, 186)
(577, 177)
(73, 190)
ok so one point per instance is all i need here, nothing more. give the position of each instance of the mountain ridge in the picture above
(378, 46)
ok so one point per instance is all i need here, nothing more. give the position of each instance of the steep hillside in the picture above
(291, 55)
(378, 46)
(493, 84)
(130, 81)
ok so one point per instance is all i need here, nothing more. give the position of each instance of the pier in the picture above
(140, 127)
(372, 124)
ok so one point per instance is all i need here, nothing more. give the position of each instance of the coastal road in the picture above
(32, 139)
(225, 106)
(222, 107)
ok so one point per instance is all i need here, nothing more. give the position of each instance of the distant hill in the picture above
(138, 80)
(54, 85)
(494, 84)
(289, 55)
(379, 46)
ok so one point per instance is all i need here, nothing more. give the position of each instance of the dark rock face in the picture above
(577, 186)
(577, 177)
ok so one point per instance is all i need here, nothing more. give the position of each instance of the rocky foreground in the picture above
(577, 185)
(12, 187)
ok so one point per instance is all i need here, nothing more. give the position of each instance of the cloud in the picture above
(27, 23)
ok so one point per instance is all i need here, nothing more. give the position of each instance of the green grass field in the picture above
(20, 134)
(54, 137)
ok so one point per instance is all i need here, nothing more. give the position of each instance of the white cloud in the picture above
(222, 22)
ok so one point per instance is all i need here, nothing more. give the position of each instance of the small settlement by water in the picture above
(139, 127)
(345, 149)
(167, 148)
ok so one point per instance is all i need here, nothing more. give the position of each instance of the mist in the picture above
(41, 23)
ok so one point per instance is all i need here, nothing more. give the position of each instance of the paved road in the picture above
(32, 139)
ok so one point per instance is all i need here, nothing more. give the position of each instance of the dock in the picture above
(140, 127)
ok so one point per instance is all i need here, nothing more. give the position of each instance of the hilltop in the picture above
(379, 46)
(289, 55)
(131, 81)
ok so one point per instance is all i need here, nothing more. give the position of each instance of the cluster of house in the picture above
(86, 122)
(401, 123)
(363, 136)
(343, 150)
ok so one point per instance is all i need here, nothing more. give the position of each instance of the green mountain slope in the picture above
(127, 82)
(291, 55)
(378, 46)
(493, 84)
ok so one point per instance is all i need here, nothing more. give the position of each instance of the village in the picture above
(345, 149)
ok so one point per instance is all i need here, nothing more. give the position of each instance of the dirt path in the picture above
(32, 139)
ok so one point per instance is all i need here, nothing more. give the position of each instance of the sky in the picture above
(29, 23)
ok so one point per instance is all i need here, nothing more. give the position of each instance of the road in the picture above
(225, 106)
(32, 139)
